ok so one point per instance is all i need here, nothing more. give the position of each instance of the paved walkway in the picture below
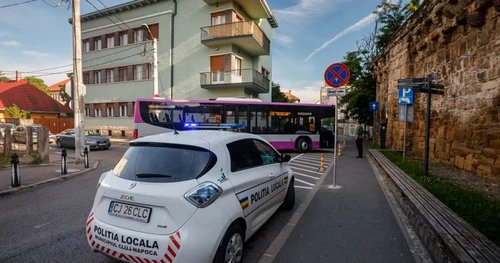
(352, 224)
(36, 174)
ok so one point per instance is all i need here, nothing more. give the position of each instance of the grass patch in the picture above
(481, 212)
(4, 161)
(36, 159)
(372, 145)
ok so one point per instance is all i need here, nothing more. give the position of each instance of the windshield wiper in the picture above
(151, 175)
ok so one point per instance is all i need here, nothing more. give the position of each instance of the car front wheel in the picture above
(289, 201)
(231, 248)
(59, 144)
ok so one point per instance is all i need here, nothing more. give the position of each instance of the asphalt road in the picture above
(46, 224)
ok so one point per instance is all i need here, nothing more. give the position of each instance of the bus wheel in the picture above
(303, 145)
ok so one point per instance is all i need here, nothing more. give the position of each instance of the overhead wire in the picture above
(98, 10)
(21, 3)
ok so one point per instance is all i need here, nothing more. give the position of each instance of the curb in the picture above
(279, 241)
(61, 178)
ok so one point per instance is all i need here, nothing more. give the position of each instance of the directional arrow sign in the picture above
(413, 80)
(437, 86)
(374, 106)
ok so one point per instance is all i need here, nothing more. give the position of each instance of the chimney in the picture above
(290, 91)
(18, 76)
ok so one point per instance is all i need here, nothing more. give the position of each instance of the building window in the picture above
(110, 41)
(97, 44)
(123, 110)
(87, 112)
(97, 112)
(237, 66)
(97, 77)
(86, 46)
(86, 78)
(218, 18)
(141, 72)
(122, 72)
(265, 73)
(123, 38)
(138, 35)
(110, 112)
(110, 75)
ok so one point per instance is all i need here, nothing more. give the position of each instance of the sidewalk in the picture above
(36, 175)
(352, 224)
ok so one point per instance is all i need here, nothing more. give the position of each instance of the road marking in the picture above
(306, 175)
(304, 182)
(303, 187)
(296, 157)
(306, 166)
(305, 170)
(42, 225)
(309, 162)
(318, 158)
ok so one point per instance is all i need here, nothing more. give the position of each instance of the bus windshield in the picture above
(273, 121)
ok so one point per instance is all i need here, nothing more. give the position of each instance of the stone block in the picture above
(497, 163)
(468, 163)
(486, 168)
(495, 144)
(459, 162)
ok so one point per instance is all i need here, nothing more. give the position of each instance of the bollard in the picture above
(322, 163)
(16, 177)
(340, 149)
(64, 163)
(86, 157)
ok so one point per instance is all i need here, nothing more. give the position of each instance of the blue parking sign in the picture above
(405, 96)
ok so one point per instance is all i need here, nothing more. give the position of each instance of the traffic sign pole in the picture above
(427, 127)
(335, 186)
(404, 136)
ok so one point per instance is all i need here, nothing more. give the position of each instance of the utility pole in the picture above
(78, 77)
(155, 60)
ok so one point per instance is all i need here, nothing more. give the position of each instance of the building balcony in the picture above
(247, 35)
(249, 79)
(254, 8)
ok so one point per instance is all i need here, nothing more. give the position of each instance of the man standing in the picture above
(359, 140)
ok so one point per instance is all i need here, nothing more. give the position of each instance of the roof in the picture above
(28, 97)
(291, 97)
(57, 87)
(140, 3)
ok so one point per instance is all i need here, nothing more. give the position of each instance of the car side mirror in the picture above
(284, 158)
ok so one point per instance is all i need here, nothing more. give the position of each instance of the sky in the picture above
(312, 34)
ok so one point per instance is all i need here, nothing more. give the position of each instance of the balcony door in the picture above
(217, 69)
(218, 28)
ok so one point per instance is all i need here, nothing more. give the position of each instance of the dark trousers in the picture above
(359, 145)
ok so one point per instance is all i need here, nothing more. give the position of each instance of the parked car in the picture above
(189, 196)
(4, 125)
(19, 134)
(94, 140)
(52, 137)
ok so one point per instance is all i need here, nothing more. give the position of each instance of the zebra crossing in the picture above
(306, 168)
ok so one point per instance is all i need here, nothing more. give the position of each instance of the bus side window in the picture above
(167, 117)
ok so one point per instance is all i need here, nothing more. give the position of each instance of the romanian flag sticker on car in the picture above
(244, 202)
(285, 180)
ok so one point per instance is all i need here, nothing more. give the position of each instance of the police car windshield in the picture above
(159, 162)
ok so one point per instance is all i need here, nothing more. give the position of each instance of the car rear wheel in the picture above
(290, 197)
(59, 144)
(231, 248)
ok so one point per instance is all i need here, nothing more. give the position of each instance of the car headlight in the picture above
(203, 194)
(89, 142)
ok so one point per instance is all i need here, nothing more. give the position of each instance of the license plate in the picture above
(134, 212)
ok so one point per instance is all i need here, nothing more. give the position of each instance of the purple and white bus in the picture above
(287, 126)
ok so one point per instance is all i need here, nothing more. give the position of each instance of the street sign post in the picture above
(405, 96)
(336, 92)
(337, 75)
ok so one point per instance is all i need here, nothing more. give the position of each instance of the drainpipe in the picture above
(172, 51)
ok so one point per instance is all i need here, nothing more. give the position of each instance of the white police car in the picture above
(192, 196)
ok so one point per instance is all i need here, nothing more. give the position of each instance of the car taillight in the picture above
(136, 134)
(203, 194)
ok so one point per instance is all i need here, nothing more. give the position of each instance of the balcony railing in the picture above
(247, 78)
(238, 30)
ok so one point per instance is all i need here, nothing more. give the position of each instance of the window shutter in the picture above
(92, 110)
(131, 36)
(91, 77)
(104, 42)
(145, 33)
(227, 62)
(117, 39)
(117, 109)
(145, 71)
(130, 73)
(116, 75)
(155, 31)
(91, 42)
(104, 78)
(104, 110)
(130, 109)
(229, 16)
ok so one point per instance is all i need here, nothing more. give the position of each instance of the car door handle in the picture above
(271, 175)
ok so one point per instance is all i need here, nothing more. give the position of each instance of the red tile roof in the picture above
(57, 87)
(28, 97)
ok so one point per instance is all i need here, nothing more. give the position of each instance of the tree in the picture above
(65, 97)
(37, 82)
(15, 112)
(277, 95)
(4, 79)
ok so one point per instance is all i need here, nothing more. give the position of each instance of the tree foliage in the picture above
(390, 17)
(15, 112)
(37, 82)
(277, 95)
(65, 97)
(4, 79)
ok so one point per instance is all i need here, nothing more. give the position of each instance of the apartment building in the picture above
(206, 49)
